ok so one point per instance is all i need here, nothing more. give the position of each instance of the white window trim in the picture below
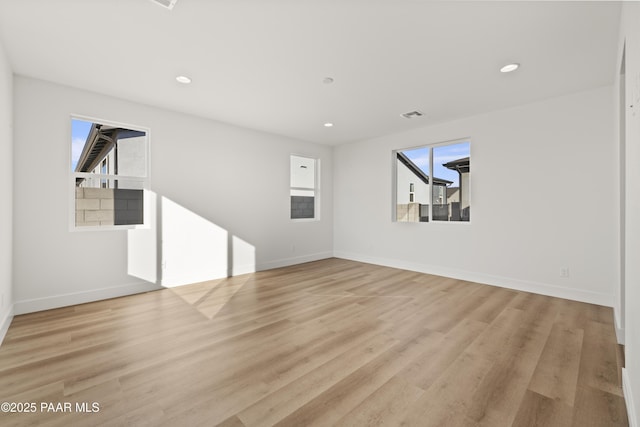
(146, 180)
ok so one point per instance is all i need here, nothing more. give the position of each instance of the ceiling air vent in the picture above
(166, 3)
(412, 114)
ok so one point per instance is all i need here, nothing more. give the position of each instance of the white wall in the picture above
(630, 34)
(221, 198)
(6, 192)
(543, 198)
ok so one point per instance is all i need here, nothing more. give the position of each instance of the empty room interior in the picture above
(258, 213)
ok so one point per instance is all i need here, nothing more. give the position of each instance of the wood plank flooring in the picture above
(328, 343)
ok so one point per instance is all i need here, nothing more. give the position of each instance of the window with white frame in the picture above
(109, 173)
(304, 187)
(437, 176)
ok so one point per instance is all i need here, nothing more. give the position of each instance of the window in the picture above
(442, 195)
(304, 187)
(109, 173)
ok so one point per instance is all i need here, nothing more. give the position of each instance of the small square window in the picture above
(109, 173)
(438, 179)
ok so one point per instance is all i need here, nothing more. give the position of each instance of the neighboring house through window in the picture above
(459, 197)
(440, 196)
(109, 169)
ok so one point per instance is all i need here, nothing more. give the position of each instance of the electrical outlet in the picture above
(564, 272)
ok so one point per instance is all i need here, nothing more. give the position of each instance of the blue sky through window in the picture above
(79, 131)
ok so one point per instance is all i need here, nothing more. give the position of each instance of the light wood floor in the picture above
(327, 343)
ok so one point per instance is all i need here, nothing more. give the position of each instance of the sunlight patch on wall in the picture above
(184, 248)
(142, 246)
(244, 257)
(193, 248)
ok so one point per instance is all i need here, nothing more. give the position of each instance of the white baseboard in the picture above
(4, 325)
(285, 262)
(241, 269)
(628, 397)
(504, 282)
(237, 270)
(171, 281)
(57, 301)
(619, 330)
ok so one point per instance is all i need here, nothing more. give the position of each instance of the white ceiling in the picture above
(261, 63)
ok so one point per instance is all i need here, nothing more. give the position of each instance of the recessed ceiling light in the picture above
(509, 68)
(328, 125)
(183, 79)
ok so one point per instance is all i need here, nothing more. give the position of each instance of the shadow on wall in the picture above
(181, 247)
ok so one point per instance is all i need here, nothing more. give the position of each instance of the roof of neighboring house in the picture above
(100, 140)
(451, 191)
(460, 165)
(418, 172)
